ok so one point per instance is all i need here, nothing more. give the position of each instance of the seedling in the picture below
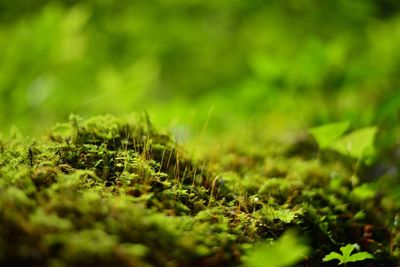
(346, 256)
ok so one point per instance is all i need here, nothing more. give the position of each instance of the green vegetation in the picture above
(263, 132)
(346, 256)
(285, 252)
(287, 63)
(114, 191)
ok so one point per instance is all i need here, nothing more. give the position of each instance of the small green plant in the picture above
(358, 144)
(346, 255)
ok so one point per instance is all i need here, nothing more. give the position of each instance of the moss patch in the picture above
(110, 191)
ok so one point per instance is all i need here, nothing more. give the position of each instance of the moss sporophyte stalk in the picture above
(108, 191)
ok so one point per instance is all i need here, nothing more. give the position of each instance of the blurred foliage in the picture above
(358, 144)
(286, 252)
(292, 63)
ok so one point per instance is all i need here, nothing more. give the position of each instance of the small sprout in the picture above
(345, 257)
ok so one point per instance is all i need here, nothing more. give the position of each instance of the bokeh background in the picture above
(220, 65)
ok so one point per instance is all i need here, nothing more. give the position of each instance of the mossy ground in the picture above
(112, 191)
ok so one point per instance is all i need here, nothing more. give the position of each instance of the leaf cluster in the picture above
(346, 255)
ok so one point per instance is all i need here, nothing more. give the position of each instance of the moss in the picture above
(110, 191)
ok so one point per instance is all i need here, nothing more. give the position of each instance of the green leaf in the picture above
(284, 215)
(333, 256)
(346, 251)
(364, 192)
(287, 251)
(358, 144)
(327, 134)
(360, 256)
(346, 255)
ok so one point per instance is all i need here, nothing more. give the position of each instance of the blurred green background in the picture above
(220, 65)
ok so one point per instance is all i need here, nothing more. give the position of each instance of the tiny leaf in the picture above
(360, 256)
(357, 144)
(346, 251)
(327, 134)
(333, 256)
